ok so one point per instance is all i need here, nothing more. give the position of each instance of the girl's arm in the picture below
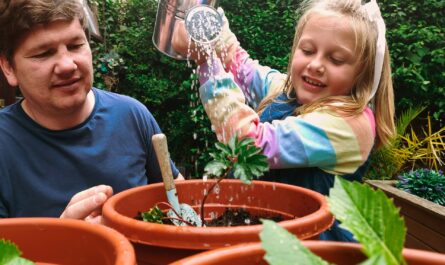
(323, 139)
(255, 80)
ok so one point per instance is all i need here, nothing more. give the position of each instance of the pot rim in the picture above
(211, 237)
(124, 251)
(415, 256)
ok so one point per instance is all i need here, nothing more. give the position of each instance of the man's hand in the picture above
(87, 205)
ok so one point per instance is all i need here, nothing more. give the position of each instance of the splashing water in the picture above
(203, 24)
(216, 189)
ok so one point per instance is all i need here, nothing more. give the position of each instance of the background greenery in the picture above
(127, 62)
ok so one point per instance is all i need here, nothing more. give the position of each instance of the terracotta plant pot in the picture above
(67, 242)
(162, 244)
(333, 252)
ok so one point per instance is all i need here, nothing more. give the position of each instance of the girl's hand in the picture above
(225, 47)
(180, 43)
(87, 205)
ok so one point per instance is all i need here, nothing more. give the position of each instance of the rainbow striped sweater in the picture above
(322, 139)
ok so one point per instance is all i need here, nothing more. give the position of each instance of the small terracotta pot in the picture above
(162, 244)
(67, 242)
(333, 252)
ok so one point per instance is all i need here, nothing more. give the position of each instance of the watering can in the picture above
(171, 12)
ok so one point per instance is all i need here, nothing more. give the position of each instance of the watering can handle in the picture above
(160, 145)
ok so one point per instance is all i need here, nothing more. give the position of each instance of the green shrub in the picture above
(416, 39)
(425, 183)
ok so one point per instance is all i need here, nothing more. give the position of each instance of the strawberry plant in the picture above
(239, 159)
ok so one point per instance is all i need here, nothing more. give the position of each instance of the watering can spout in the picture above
(168, 14)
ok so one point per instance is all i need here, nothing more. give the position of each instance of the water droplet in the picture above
(216, 189)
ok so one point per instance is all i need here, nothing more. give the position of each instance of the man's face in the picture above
(52, 66)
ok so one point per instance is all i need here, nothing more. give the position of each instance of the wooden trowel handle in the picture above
(160, 145)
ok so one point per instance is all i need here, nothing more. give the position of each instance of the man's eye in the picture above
(75, 46)
(43, 54)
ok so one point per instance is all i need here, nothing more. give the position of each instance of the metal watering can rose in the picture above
(203, 23)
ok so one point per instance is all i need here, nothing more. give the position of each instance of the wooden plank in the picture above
(429, 237)
(425, 220)
(413, 242)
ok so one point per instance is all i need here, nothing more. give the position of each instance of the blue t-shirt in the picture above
(41, 169)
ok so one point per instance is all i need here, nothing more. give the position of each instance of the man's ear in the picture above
(8, 71)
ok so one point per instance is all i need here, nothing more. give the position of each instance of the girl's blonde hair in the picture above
(365, 38)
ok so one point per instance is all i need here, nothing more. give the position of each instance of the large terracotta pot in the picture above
(333, 252)
(67, 242)
(162, 244)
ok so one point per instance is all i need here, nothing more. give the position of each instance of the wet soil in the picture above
(232, 217)
(239, 217)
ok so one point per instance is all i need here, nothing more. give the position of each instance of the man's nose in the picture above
(65, 63)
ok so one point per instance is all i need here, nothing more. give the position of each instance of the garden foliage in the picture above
(127, 62)
(425, 183)
(410, 148)
(368, 214)
(10, 254)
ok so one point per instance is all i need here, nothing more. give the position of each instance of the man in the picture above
(65, 139)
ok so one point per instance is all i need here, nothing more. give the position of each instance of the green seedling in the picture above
(238, 158)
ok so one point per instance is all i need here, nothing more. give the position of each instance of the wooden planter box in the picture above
(424, 220)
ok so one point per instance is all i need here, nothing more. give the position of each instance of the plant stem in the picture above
(169, 206)
(209, 191)
(178, 219)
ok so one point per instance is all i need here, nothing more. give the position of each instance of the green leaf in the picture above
(371, 217)
(375, 260)
(233, 145)
(242, 156)
(284, 248)
(246, 142)
(215, 168)
(223, 148)
(10, 254)
(241, 173)
(154, 215)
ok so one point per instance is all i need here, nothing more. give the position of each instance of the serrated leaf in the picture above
(371, 217)
(215, 168)
(223, 148)
(246, 142)
(239, 172)
(10, 254)
(374, 260)
(283, 248)
(233, 145)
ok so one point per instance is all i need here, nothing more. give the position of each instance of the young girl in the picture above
(314, 122)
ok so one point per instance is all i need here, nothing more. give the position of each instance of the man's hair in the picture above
(19, 17)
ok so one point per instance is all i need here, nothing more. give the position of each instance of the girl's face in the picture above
(324, 63)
